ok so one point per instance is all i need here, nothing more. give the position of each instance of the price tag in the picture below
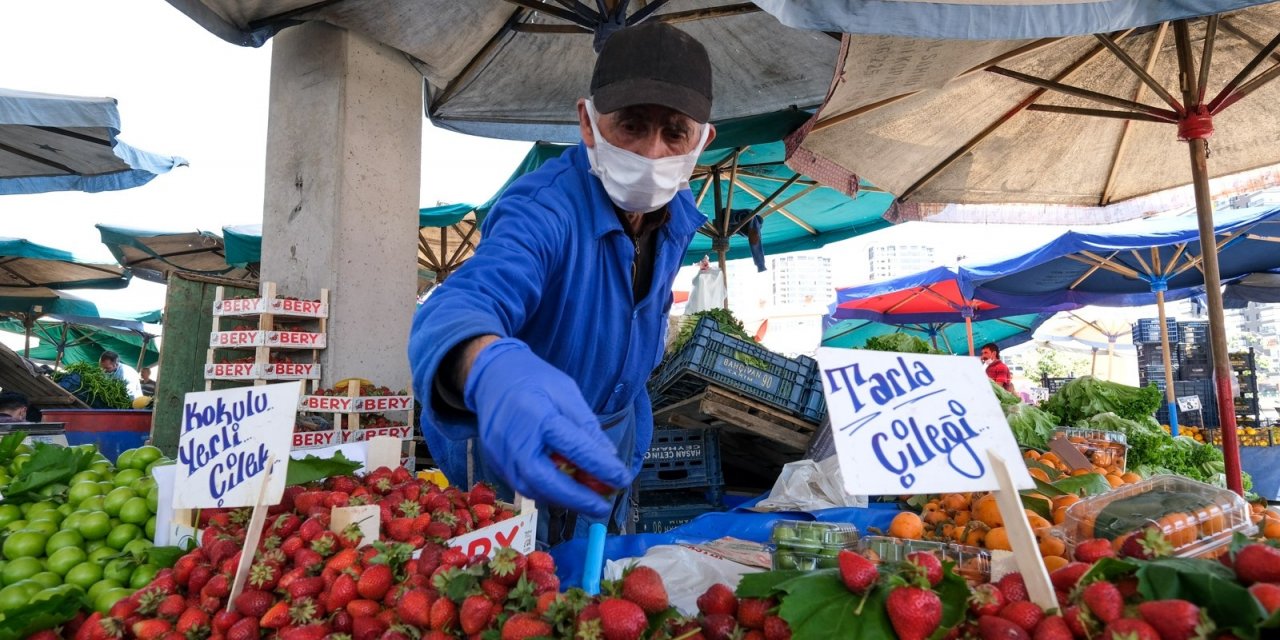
(1189, 403)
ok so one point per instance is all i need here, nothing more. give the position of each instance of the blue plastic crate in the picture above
(1194, 332)
(1148, 330)
(682, 459)
(712, 357)
(659, 512)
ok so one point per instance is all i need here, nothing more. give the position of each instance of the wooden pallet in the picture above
(717, 407)
(18, 374)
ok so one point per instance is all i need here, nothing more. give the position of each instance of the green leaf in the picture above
(1042, 508)
(164, 557)
(954, 593)
(9, 446)
(1091, 484)
(818, 605)
(1108, 569)
(48, 465)
(312, 468)
(765, 584)
(49, 608)
(1044, 487)
(1207, 583)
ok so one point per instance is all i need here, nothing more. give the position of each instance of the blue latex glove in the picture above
(528, 409)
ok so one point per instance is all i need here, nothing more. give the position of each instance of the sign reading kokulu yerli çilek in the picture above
(226, 441)
(908, 423)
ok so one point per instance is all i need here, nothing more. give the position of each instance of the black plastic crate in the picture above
(1208, 414)
(1153, 373)
(661, 512)
(712, 357)
(1194, 332)
(1151, 355)
(1148, 330)
(682, 459)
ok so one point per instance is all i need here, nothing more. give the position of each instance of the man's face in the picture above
(649, 130)
(19, 413)
(988, 355)
(108, 365)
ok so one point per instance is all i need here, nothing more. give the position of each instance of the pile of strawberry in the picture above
(378, 421)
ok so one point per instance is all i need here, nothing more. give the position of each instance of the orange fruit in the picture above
(975, 535)
(935, 517)
(998, 538)
(961, 518)
(1081, 472)
(986, 511)
(1114, 480)
(1060, 515)
(1052, 546)
(1271, 526)
(1039, 474)
(955, 501)
(1037, 522)
(906, 525)
(1065, 501)
(1053, 563)
(1050, 456)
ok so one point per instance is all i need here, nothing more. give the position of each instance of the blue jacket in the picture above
(553, 269)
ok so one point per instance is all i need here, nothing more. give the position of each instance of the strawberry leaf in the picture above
(1206, 583)
(1091, 484)
(954, 593)
(818, 605)
(47, 610)
(1108, 569)
(765, 584)
(312, 468)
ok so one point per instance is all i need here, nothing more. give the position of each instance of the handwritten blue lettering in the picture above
(235, 470)
(879, 387)
(196, 416)
(910, 445)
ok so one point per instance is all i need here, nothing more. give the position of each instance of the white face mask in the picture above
(635, 183)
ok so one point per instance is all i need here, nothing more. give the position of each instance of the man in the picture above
(541, 343)
(13, 407)
(109, 362)
(146, 385)
(996, 370)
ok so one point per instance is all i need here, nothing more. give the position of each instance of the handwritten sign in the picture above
(912, 423)
(226, 439)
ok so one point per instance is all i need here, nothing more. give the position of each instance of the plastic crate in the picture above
(682, 459)
(1155, 374)
(804, 545)
(815, 403)
(1194, 332)
(972, 563)
(712, 357)
(662, 512)
(1151, 355)
(1148, 330)
(1195, 361)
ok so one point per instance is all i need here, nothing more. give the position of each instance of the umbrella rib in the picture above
(425, 247)
(1234, 86)
(1083, 93)
(994, 126)
(1206, 56)
(30, 282)
(1156, 43)
(777, 192)
(914, 294)
(1173, 262)
(567, 16)
(1012, 323)
(474, 63)
(702, 193)
(1100, 113)
(1142, 262)
(1142, 73)
(728, 201)
(779, 208)
(35, 158)
(1254, 236)
(1100, 262)
(725, 11)
(1247, 88)
(464, 244)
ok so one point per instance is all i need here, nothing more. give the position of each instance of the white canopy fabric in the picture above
(509, 69)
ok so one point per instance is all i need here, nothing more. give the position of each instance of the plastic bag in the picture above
(686, 573)
(807, 485)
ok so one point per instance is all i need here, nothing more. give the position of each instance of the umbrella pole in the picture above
(27, 324)
(1111, 358)
(1093, 363)
(968, 329)
(724, 273)
(1217, 328)
(1169, 391)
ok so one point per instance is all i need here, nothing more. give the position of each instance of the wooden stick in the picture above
(254, 533)
(1021, 539)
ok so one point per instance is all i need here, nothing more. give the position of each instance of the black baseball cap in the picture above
(653, 63)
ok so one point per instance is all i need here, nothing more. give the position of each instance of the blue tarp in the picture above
(66, 143)
(739, 523)
(1115, 265)
(989, 19)
(1255, 287)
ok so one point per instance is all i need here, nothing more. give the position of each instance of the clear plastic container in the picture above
(1194, 517)
(799, 544)
(1102, 448)
(972, 563)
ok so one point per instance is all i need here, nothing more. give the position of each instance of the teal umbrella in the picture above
(28, 265)
(71, 340)
(153, 255)
(24, 305)
(242, 245)
(949, 337)
(447, 237)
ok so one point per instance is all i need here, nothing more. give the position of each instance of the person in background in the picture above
(541, 343)
(997, 370)
(109, 362)
(146, 384)
(13, 407)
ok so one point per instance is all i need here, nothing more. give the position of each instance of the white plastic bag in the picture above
(686, 573)
(806, 485)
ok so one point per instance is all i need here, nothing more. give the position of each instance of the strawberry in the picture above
(400, 529)
(929, 565)
(525, 625)
(414, 607)
(363, 608)
(253, 603)
(277, 617)
(507, 566)
(987, 600)
(775, 628)
(718, 599)
(483, 512)
(1129, 629)
(475, 614)
(1104, 601)
(307, 559)
(857, 572)
(914, 612)
(150, 629)
(1072, 616)
(1065, 579)
(493, 590)
(997, 628)
(264, 575)
(219, 586)
(306, 632)
(622, 619)
(541, 561)
(1267, 595)
(719, 626)
(47, 634)
(223, 619)
(311, 528)
(99, 627)
(753, 611)
(1052, 628)
(1093, 550)
(444, 614)
(1258, 563)
(1174, 619)
(542, 581)
(1013, 587)
(643, 586)
(192, 623)
(375, 581)
(1024, 614)
(342, 591)
(244, 629)
(307, 587)
(367, 628)
(1146, 544)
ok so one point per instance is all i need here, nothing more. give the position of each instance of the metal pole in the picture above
(1093, 364)
(27, 323)
(968, 329)
(1169, 392)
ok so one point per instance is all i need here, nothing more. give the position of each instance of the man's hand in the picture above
(528, 410)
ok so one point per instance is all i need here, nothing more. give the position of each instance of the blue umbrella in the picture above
(1255, 287)
(1131, 263)
(66, 143)
(951, 337)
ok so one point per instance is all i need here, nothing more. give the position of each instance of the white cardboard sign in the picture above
(908, 423)
(226, 439)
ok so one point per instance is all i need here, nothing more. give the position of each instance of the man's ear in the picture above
(711, 135)
(584, 124)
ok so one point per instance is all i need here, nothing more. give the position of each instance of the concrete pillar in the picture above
(342, 183)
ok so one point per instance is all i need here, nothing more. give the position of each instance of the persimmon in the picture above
(1178, 528)
(954, 501)
(1130, 477)
(935, 517)
(1037, 522)
(1053, 563)
(906, 525)
(998, 538)
(986, 511)
(1052, 546)
(1039, 474)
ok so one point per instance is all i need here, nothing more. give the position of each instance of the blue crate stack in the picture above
(680, 480)
(1191, 362)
